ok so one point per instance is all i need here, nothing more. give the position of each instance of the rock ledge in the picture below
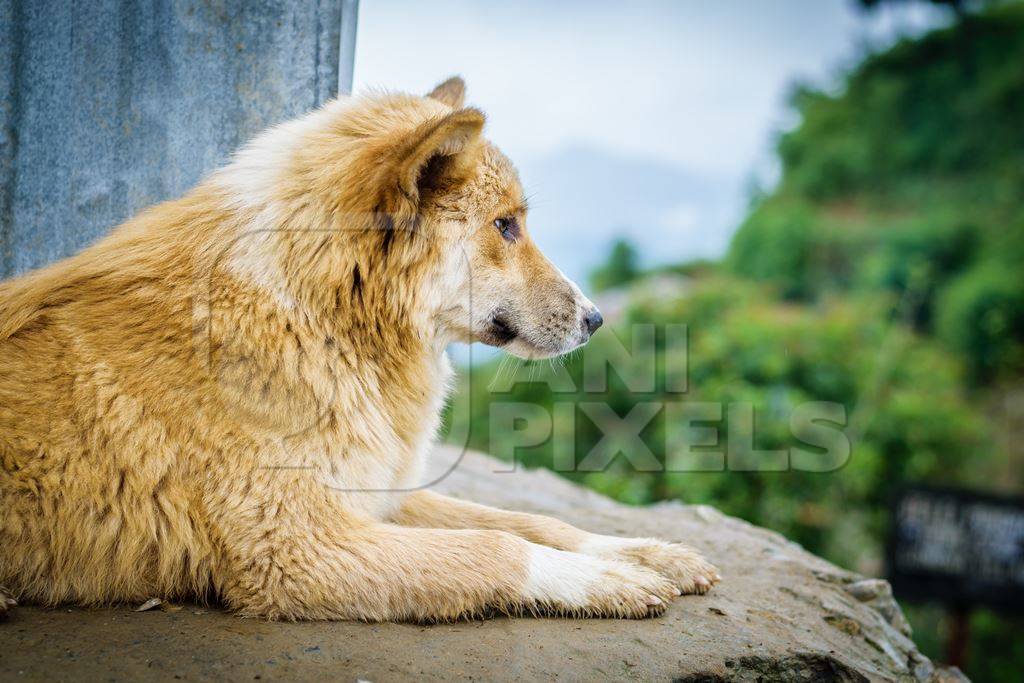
(780, 614)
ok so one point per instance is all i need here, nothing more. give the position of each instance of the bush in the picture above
(775, 244)
(620, 268)
(904, 408)
(917, 258)
(946, 104)
(981, 316)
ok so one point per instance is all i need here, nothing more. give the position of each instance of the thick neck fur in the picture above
(339, 286)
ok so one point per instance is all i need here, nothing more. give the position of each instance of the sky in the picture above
(643, 119)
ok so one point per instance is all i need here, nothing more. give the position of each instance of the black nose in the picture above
(593, 320)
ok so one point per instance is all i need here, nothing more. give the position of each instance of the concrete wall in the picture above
(111, 105)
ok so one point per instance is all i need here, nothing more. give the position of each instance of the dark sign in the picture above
(957, 547)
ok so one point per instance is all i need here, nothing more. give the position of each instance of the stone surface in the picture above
(779, 614)
(112, 105)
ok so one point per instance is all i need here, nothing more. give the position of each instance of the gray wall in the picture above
(111, 105)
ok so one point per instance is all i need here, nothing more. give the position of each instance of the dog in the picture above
(231, 397)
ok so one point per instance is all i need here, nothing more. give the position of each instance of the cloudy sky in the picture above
(643, 119)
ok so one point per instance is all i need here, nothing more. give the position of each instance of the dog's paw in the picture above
(7, 603)
(573, 584)
(686, 568)
(632, 592)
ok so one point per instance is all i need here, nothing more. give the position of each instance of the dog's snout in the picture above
(593, 320)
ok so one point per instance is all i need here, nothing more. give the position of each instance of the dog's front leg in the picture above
(382, 572)
(690, 572)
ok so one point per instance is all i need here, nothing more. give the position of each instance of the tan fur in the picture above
(230, 397)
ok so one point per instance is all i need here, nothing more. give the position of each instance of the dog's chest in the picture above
(375, 447)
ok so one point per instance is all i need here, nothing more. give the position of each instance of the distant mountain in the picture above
(582, 198)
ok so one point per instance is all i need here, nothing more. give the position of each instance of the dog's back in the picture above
(93, 504)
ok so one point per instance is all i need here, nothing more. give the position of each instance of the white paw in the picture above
(686, 568)
(583, 585)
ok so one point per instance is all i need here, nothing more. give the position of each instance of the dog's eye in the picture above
(508, 228)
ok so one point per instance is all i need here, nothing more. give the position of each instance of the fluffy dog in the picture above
(231, 396)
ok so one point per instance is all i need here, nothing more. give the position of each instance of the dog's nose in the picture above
(593, 320)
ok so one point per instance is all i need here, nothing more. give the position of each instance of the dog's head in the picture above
(394, 209)
(491, 284)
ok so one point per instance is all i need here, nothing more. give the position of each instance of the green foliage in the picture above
(994, 652)
(695, 268)
(957, 6)
(981, 315)
(777, 245)
(947, 104)
(904, 410)
(910, 181)
(620, 268)
(909, 184)
(884, 274)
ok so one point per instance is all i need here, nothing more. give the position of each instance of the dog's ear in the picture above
(439, 152)
(452, 92)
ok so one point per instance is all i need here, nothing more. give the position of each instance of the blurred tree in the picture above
(620, 268)
(901, 201)
(958, 6)
(981, 315)
(910, 181)
(908, 415)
